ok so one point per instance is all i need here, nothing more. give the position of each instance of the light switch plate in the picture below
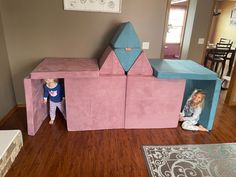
(145, 45)
(201, 40)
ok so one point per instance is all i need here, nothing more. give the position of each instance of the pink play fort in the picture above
(117, 91)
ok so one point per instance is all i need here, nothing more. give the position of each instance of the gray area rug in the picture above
(207, 160)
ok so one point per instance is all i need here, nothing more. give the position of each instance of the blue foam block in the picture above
(127, 58)
(197, 77)
(125, 37)
(212, 89)
(181, 69)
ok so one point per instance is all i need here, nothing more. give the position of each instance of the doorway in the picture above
(175, 27)
(222, 28)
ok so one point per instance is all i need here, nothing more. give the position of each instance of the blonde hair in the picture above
(195, 92)
(54, 80)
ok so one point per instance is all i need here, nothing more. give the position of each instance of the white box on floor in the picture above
(10, 144)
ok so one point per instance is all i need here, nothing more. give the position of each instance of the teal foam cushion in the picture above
(181, 69)
(125, 37)
(212, 89)
(127, 58)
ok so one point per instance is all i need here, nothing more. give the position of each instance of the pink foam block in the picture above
(141, 66)
(36, 110)
(152, 102)
(95, 103)
(109, 63)
(66, 67)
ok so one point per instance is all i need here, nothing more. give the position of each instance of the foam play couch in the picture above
(118, 90)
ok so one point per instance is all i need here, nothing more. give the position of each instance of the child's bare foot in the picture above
(51, 122)
(201, 128)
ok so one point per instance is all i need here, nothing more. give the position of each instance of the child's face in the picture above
(197, 98)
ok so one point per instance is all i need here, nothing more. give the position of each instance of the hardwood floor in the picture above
(105, 153)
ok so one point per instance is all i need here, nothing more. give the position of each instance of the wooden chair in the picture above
(225, 41)
(227, 46)
(218, 56)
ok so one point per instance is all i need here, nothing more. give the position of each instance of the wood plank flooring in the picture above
(54, 152)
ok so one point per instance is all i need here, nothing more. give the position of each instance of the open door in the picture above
(175, 27)
(36, 110)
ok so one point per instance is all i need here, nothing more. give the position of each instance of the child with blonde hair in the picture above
(192, 110)
(55, 92)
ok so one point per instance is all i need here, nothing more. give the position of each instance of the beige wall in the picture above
(225, 30)
(38, 29)
(7, 97)
(198, 25)
(223, 27)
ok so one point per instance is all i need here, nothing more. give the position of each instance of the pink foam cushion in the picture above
(141, 66)
(95, 103)
(66, 68)
(109, 63)
(152, 102)
(36, 110)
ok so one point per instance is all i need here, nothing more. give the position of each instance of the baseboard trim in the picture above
(21, 105)
(8, 115)
(232, 104)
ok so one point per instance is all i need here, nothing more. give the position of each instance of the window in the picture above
(175, 25)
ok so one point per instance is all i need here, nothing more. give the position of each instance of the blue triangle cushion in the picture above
(127, 58)
(126, 37)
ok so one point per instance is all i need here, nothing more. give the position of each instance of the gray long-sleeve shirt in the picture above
(191, 114)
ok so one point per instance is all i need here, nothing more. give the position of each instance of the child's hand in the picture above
(181, 119)
(45, 100)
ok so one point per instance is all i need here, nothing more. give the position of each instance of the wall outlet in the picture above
(201, 40)
(145, 45)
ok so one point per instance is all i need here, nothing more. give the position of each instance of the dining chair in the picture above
(218, 56)
(225, 41)
(230, 55)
